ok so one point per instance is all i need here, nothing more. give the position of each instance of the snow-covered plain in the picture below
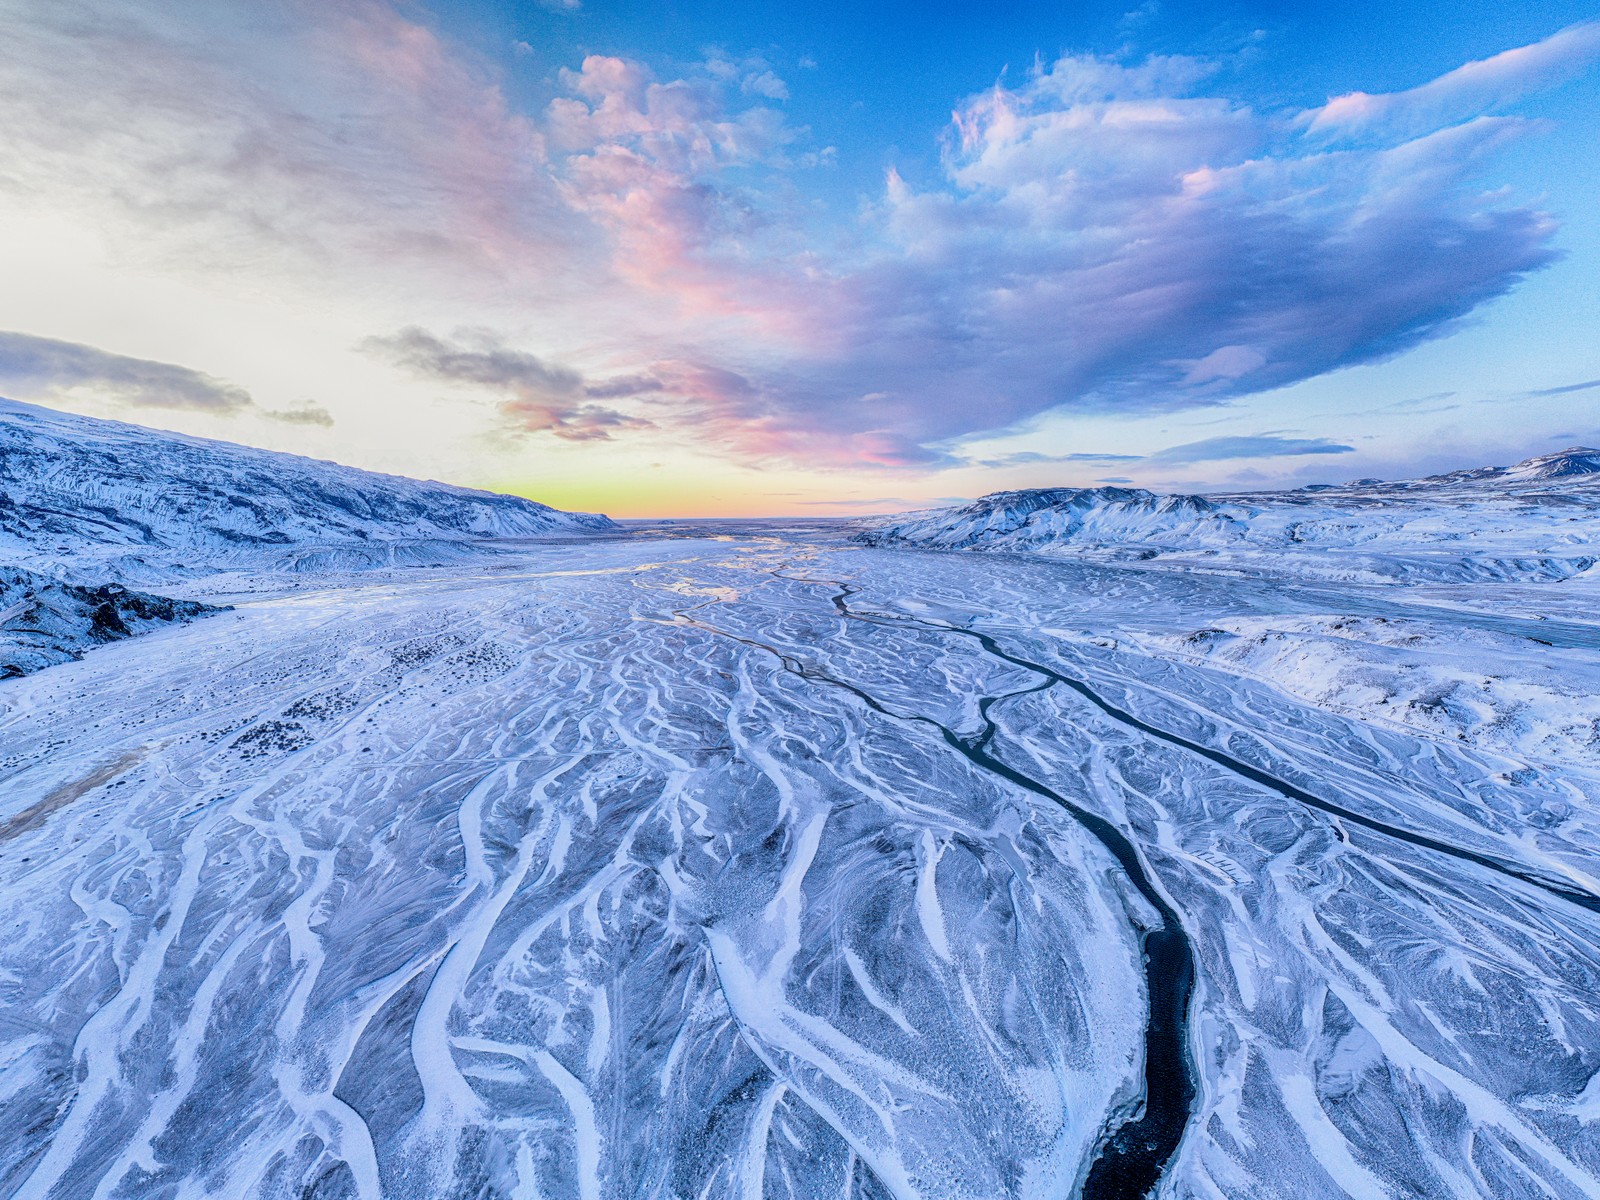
(754, 861)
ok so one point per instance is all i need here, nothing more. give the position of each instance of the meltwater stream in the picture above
(1134, 1154)
(1551, 887)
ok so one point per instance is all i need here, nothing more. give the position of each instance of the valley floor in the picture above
(749, 862)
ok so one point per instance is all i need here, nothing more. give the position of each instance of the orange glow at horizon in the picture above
(688, 499)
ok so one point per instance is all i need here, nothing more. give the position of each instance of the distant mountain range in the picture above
(1539, 519)
(1575, 463)
(117, 497)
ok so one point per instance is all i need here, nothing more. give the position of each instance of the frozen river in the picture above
(743, 861)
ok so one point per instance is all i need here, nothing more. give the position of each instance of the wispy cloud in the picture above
(1261, 446)
(1415, 406)
(1265, 445)
(535, 396)
(346, 139)
(44, 368)
(870, 502)
(1026, 458)
(1466, 92)
(1565, 388)
(307, 413)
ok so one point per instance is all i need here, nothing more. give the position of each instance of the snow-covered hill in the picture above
(44, 622)
(1537, 520)
(115, 499)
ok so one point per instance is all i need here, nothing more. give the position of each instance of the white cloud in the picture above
(1226, 363)
(765, 83)
(1107, 235)
(1464, 92)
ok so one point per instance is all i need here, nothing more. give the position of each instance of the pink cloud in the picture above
(648, 161)
(1105, 233)
(340, 137)
(1103, 238)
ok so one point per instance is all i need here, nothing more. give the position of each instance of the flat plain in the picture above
(748, 860)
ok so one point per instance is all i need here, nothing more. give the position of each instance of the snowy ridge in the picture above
(1100, 515)
(80, 490)
(1537, 520)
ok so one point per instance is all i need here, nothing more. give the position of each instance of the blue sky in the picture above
(711, 257)
(886, 76)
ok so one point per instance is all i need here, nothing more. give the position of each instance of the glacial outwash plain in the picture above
(363, 837)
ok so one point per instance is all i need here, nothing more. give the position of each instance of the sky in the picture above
(708, 258)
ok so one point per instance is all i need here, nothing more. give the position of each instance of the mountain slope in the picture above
(73, 487)
(1539, 519)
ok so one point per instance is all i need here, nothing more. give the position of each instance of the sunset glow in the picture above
(752, 261)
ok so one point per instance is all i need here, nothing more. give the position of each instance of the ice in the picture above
(756, 861)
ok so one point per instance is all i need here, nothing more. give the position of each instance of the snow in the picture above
(1495, 690)
(103, 501)
(678, 863)
(43, 621)
(1538, 520)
